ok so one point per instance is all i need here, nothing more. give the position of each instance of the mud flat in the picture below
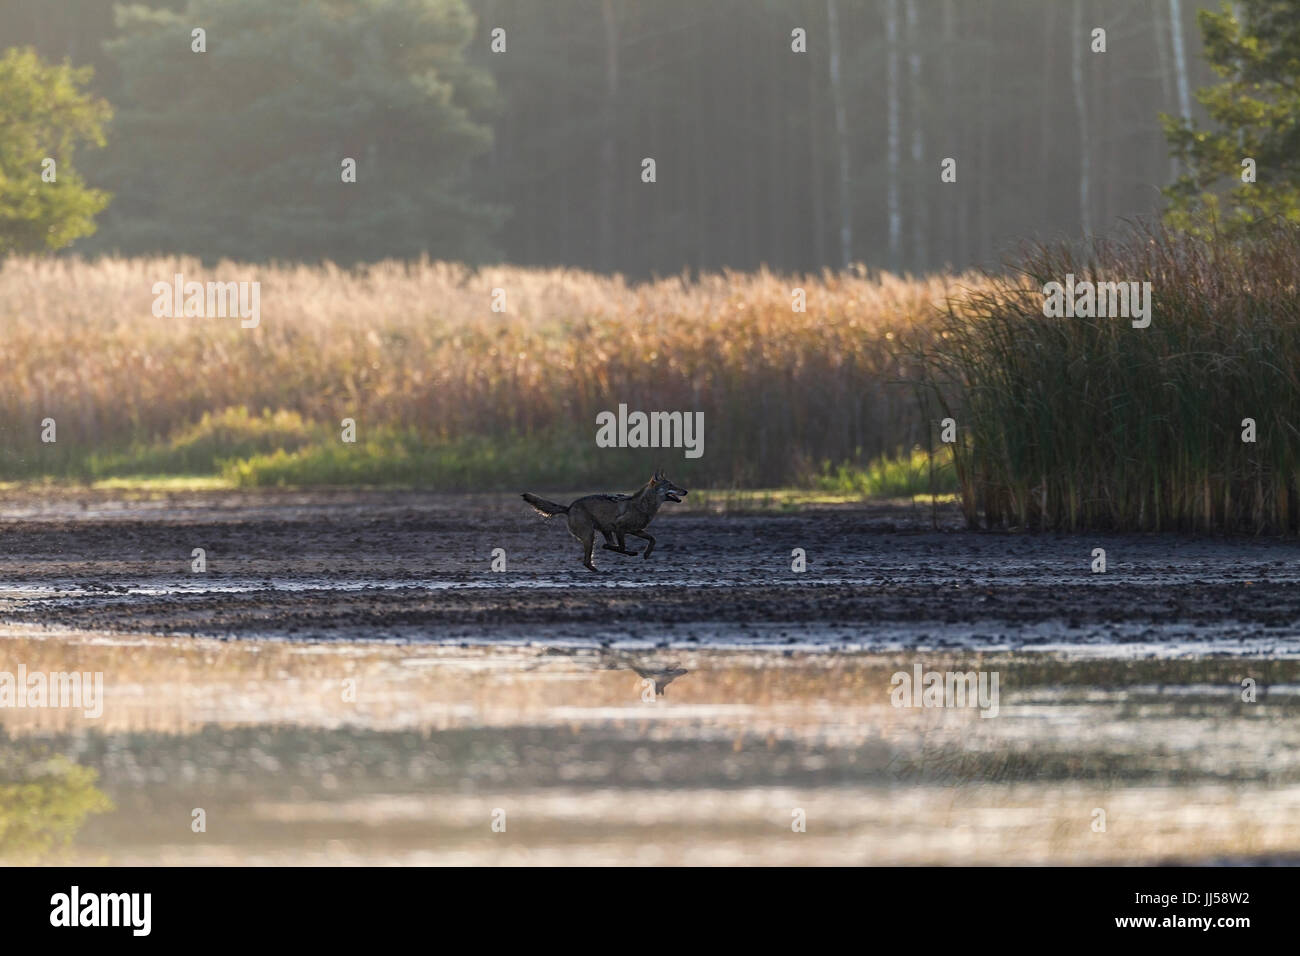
(412, 567)
(361, 687)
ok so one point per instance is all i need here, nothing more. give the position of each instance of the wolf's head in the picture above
(665, 489)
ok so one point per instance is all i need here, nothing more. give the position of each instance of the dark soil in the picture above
(418, 567)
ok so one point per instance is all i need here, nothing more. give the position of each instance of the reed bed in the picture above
(415, 355)
(1073, 423)
(1063, 423)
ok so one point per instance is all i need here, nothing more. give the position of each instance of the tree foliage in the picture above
(44, 800)
(1256, 50)
(45, 115)
(239, 151)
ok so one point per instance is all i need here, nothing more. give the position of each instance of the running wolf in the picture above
(614, 516)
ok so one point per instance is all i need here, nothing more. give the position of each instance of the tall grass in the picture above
(436, 381)
(1074, 423)
(1064, 423)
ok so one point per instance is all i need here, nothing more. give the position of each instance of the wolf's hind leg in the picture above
(584, 529)
(649, 537)
(588, 540)
(621, 547)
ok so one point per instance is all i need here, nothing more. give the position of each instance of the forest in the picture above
(793, 134)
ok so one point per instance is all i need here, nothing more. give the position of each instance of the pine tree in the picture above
(1256, 49)
(239, 151)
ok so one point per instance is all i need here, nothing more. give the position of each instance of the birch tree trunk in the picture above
(841, 134)
(1046, 105)
(1180, 59)
(1162, 60)
(815, 155)
(955, 201)
(894, 138)
(608, 150)
(1077, 42)
(920, 219)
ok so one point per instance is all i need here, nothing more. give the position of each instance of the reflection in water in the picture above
(44, 800)
(346, 753)
(659, 675)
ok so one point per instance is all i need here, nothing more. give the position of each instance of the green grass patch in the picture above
(235, 448)
(405, 459)
(901, 476)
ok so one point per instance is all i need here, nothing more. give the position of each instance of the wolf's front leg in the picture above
(650, 547)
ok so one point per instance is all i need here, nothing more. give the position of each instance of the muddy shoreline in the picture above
(376, 693)
(411, 567)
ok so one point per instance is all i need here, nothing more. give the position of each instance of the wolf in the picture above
(614, 516)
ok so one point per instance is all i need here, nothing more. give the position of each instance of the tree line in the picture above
(641, 136)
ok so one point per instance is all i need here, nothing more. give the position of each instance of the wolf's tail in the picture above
(544, 507)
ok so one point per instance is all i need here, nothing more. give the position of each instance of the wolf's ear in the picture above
(659, 474)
